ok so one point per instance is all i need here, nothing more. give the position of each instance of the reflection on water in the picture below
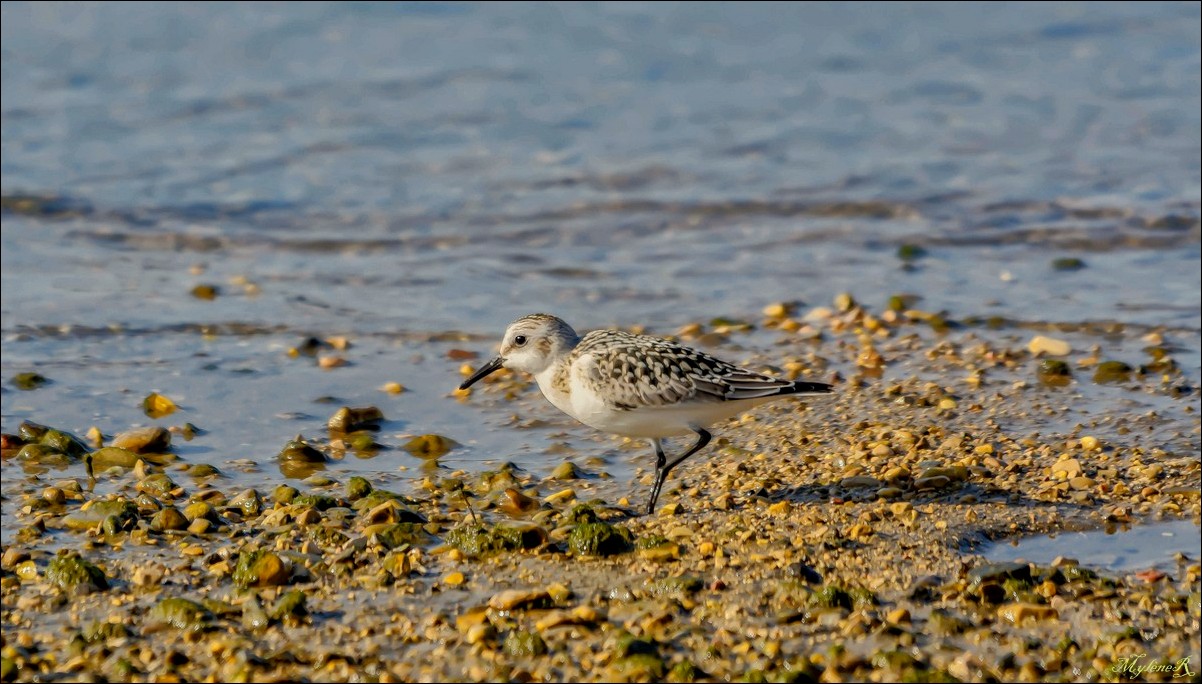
(1139, 547)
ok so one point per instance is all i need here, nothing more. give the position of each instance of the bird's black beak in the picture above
(487, 369)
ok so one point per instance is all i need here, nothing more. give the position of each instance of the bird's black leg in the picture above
(660, 461)
(663, 467)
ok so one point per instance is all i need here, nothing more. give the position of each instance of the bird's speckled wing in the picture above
(637, 371)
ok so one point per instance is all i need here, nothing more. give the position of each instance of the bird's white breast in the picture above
(585, 401)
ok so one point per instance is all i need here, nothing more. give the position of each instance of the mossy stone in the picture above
(290, 607)
(599, 539)
(357, 488)
(103, 631)
(64, 443)
(125, 512)
(641, 667)
(110, 456)
(157, 484)
(319, 501)
(397, 534)
(830, 596)
(180, 613)
(675, 586)
(28, 381)
(581, 513)
(73, 574)
(284, 494)
(299, 451)
(473, 540)
(1112, 372)
(524, 644)
(249, 502)
(168, 519)
(260, 568)
(43, 455)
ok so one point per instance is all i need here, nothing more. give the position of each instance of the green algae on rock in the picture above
(300, 451)
(396, 535)
(249, 502)
(28, 381)
(1112, 372)
(599, 539)
(52, 440)
(73, 574)
(1067, 264)
(94, 512)
(567, 471)
(1054, 372)
(111, 456)
(260, 568)
(290, 608)
(168, 519)
(157, 484)
(479, 540)
(430, 447)
(180, 613)
(357, 488)
(524, 644)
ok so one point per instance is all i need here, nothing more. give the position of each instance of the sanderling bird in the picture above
(635, 385)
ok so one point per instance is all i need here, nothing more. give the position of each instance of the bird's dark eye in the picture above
(520, 340)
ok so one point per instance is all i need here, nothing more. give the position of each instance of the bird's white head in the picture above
(531, 344)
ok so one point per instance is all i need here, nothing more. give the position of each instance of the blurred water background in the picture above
(402, 173)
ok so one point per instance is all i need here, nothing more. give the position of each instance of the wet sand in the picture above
(834, 539)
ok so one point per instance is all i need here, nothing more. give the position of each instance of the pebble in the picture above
(518, 598)
(1067, 468)
(780, 508)
(937, 482)
(1082, 483)
(859, 481)
(1016, 613)
(1048, 346)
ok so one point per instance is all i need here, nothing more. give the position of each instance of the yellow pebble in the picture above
(559, 592)
(328, 362)
(778, 310)
(947, 404)
(392, 388)
(454, 579)
(1089, 443)
(27, 570)
(779, 508)
(561, 496)
(671, 509)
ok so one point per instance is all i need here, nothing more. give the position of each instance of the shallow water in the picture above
(1139, 547)
(415, 176)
